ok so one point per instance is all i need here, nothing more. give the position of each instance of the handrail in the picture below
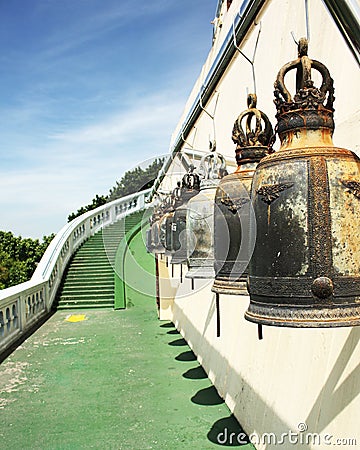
(25, 304)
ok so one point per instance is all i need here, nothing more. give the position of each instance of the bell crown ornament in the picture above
(212, 168)
(310, 107)
(191, 180)
(252, 142)
(190, 185)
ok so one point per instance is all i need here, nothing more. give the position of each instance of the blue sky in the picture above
(88, 89)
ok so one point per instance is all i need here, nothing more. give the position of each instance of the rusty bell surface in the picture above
(166, 221)
(252, 134)
(156, 242)
(305, 268)
(189, 188)
(200, 218)
(153, 244)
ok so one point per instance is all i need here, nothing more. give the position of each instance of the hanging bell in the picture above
(152, 240)
(189, 188)
(156, 236)
(305, 268)
(200, 217)
(148, 242)
(165, 232)
(232, 201)
(165, 223)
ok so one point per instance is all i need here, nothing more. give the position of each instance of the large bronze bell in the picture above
(232, 201)
(190, 186)
(200, 217)
(165, 222)
(152, 234)
(156, 237)
(148, 242)
(305, 268)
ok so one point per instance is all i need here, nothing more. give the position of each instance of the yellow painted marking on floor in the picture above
(76, 318)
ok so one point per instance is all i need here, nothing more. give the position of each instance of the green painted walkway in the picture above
(117, 380)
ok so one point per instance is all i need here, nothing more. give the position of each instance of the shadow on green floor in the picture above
(172, 332)
(227, 432)
(207, 396)
(178, 342)
(196, 373)
(224, 432)
(167, 325)
(186, 356)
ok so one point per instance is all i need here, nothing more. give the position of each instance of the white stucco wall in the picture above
(292, 376)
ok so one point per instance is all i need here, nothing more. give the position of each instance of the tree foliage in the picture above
(97, 201)
(133, 181)
(19, 257)
(136, 180)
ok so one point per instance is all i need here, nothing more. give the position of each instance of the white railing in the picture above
(23, 305)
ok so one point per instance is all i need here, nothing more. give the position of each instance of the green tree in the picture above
(96, 202)
(19, 257)
(136, 180)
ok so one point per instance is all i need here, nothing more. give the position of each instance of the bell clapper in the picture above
(217, 299)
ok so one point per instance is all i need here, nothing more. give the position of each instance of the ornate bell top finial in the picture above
(212, 167)
(191, 180)
(190, 184)
(252, 144)
(311, 107)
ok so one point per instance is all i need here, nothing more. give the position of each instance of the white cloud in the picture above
(148, 119)
(72, 125)
(72, 167)
(150, 116)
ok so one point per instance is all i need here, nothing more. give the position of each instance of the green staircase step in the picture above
(83, 282)
(86, 276)
(89, 279)
(85, 306)
(88, 290)
(85, 297)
